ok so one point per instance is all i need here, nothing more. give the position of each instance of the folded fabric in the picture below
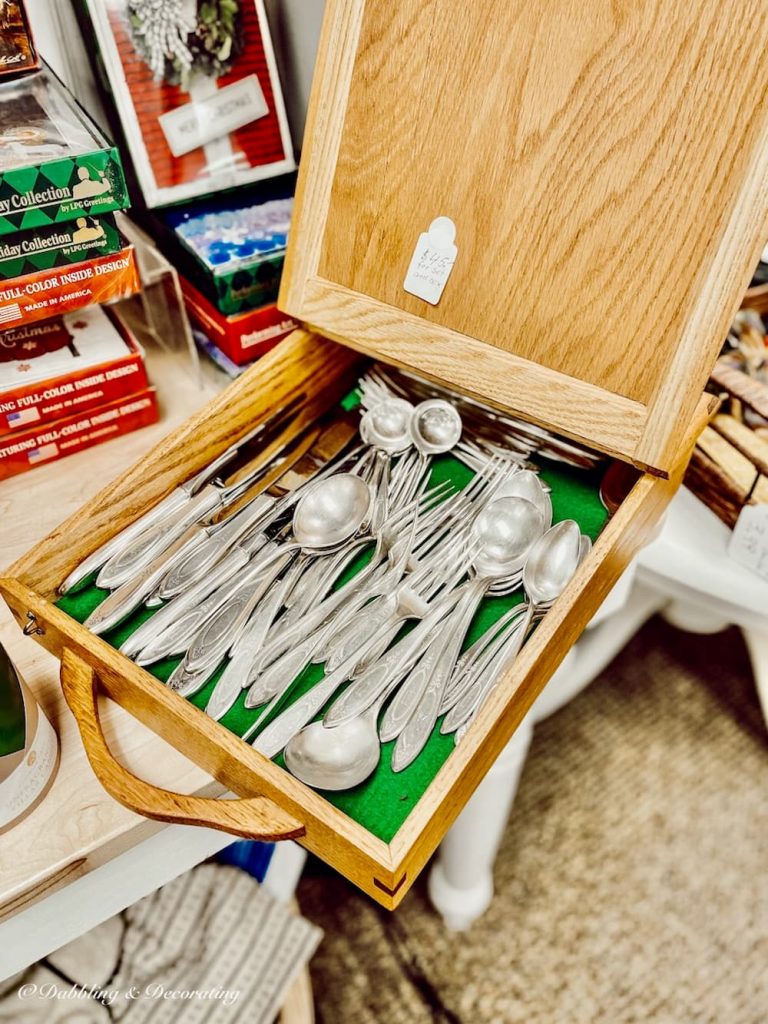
(211, 945)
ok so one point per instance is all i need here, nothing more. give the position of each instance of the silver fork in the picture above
(414, 598)
(353, 628)
(244, 651)
(392, 535)
(265, 683)
(301, 631)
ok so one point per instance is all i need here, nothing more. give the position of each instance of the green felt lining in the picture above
(383, 802)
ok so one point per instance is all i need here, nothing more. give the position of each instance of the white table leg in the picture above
(694, 617)
(461, 879)
(757, 646)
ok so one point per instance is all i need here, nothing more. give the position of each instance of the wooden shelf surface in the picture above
(78, 827)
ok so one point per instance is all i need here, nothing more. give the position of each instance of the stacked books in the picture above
(230, 251)
(71, 374)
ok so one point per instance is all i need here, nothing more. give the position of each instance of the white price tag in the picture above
(749, 541)
(432, 261)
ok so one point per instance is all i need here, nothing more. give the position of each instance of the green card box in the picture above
(58, 245)
(55, 164)
(231, 248)
(231, 292)
(251, 287)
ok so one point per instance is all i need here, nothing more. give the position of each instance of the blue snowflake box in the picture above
(234, 246)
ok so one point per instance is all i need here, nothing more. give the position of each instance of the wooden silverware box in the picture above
(606, 171)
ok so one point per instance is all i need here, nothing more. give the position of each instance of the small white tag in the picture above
(749, 540)
(432, 261)
(197, 123)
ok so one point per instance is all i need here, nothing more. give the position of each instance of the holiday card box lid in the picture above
(609, 205)
(70, 363)
(55, 164)
(209, 117)
(58, 245)
(237, 231)
(195, 235)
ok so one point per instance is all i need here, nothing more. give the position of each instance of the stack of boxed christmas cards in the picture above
(69, 383)
(71, 374)
(58, 176)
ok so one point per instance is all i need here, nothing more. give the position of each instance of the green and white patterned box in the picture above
(55, 164)
(58, 245)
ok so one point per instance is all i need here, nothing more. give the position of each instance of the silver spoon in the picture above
(527, 484)
(329, 513)
(415, 598)
(342, 750)
(474, 662)
(507, 530)
(435, 428)
(387, 429)
(548, 569)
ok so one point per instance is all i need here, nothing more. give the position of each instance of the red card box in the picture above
(64, 437)
(48, 293)
(244, 336)
(88, 382)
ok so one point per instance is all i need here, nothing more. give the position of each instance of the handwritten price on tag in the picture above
(432, 261)
(749, 541)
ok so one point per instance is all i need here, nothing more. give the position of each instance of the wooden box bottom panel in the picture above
(321, 371)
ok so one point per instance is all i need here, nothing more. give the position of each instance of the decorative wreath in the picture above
(177, 44)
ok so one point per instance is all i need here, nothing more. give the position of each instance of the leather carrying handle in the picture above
(249, 817)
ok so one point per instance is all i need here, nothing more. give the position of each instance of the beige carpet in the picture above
(632, 884)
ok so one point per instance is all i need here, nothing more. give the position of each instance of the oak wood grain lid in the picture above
(606, 169)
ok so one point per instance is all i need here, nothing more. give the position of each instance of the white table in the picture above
(687, 576)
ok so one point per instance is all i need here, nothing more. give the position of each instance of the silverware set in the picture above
(247, 578)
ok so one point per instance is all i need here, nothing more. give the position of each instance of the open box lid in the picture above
(606, 169)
